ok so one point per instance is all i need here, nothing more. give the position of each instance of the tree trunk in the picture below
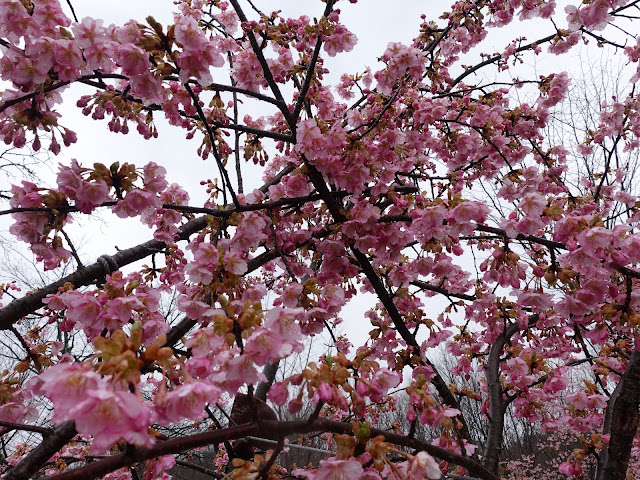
(621, 423)
(497, 403)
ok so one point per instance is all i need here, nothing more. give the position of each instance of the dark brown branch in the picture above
(136, 454)
(27, 428)
(38, 456)
(434, 288)
(495, 58)
(310, 71)
(212, 139)
(31, 302)
(266, 71)
(383, 295)
(73, 12)
(199, 468)
(497, 404)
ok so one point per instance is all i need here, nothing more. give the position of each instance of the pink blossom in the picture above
(234, 263)
(189, 35)
(67, 385)
(88, 32)
(132, 59)
(557, 90)
(90, 195)
(422, 466)
(195, 309)
(111, 416)
(153, 177)
(469, 211)
(129, 33)
(229, 20)
(81, 308)
(341, 40)
(241, 370)
(136, 202)
(186, 401)
(199, 273)
(147, 87)
(100, 56)
(15, 20)
(265, 344)
(278, 393)
(333, 469)
(155, 469)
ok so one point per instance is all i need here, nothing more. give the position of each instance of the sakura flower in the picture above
(341, 40)
(278, 393)
(422, 466)
(88, 32)
(67, 385)
(469, 211)
(334, 470)
(185, 402)
(264, 344)
(234, 263)
(90, 195)
(136, 202)
(111, 416)
(153, 177)
(155, 469)
(132, 59)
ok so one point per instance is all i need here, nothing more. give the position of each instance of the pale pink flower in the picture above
(333, 470)
(422, 466)
(148, 87)
(132, 59)
(90, 195)
(81, 308)
(88, 32)
(136, 202)
(100, 56)
(189, 35)
(155, 469)
(229, 21)
(234, 263)
(278, 393)
(153, 177)
(194, 309)
(67, 385)
(111, 416)
(469, 211)
(185, 402)
(199, 273)
(67, 53)
(264, 344)
(129, 33)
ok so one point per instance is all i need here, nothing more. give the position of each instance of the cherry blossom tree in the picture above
(390, 181)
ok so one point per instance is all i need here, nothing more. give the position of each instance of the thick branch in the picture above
(137, 454)
(89, 274)
(43, 452)
(27, 428)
